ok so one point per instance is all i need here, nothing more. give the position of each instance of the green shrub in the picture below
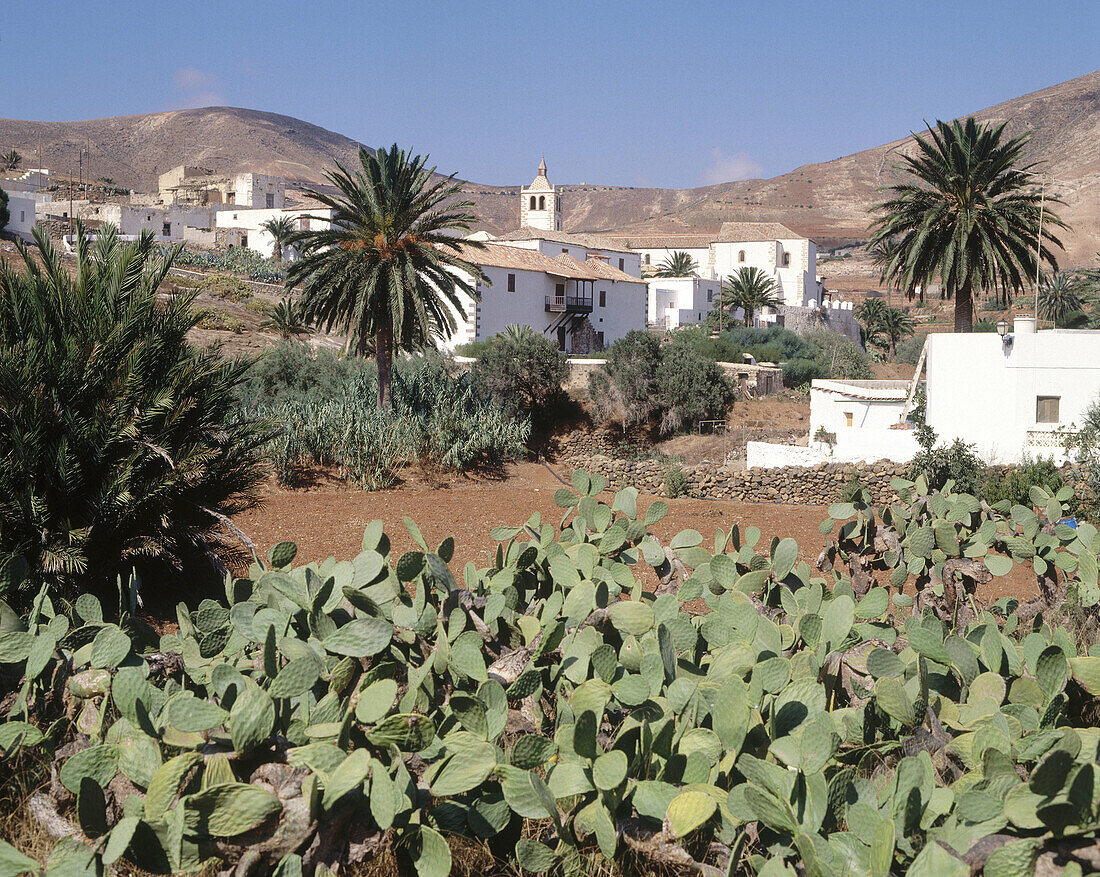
(797, 372)
(690, 388)
(955, 462)
(522, 370)
(624, 388)
(910, 349)
(844, 360)
(783, 343)
(675, 482)
(218, 322)
(239, 260)
(122, 445)
(700, 340)
(296, 372)
(1014, 485)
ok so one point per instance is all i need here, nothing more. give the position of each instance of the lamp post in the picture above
(1002, 327)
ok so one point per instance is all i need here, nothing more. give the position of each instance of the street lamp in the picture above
(1002, 327)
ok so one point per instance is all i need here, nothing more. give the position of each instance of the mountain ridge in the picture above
(828, 201)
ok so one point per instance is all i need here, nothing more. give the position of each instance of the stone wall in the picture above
(811, 485)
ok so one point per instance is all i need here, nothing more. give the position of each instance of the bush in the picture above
(783, 343)
(717, 349)
(797, 372)
(675, 482)
(690, 388)
(122, 445)
(910, 349)
(844, 360)
(668, 385)
(955, 462)
(1014, 486)
(522, 370)
(238, 260)
(437, 419)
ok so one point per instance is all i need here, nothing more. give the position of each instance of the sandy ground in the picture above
(327, 518)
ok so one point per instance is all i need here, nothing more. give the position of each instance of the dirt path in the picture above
(327, 518)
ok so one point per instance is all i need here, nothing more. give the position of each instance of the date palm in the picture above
(968, 216)
(1060, 294)
(869, 313)
(282, 229)
(894, 325)
(751, 290)
(286, 319)
(677, 264)
(390, 269)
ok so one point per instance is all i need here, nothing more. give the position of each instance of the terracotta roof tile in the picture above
(522, 259)
(756, 231)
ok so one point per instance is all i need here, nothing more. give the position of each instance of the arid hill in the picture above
(828, 201)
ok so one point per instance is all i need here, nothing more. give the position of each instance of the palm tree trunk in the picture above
(383, 352)
(277, 252)
(964, 309)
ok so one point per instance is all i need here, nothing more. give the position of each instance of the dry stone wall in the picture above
(811, 485)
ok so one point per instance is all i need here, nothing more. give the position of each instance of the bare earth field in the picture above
(327, 518)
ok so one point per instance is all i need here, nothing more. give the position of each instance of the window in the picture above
(786, 260)
(511, 282)
(559, 290)
(741, 256)
(710, 295)
(534, 203)
(542, 202)
(1046, 409)
(22, 215)
(848, 418)
(244, 241)
(270, 200)
(647, 258)
(622, 262)
(166, 231)
(564, 250)
(603, 298)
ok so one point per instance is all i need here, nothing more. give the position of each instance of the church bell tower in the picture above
(540, 203)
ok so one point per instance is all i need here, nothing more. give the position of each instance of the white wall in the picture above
(626, 261)
(984, 391)
(872, 435)
(251, 220)
(21, 206)
(624, 306)
(894, 445)
(678, 301)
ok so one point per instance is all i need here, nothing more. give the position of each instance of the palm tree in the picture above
(282, 229)
(286, 319)
(390, 269)
(11, 160)
(969, 217)
(751, 290)
(678, 264)
(869, 313)
(894, 324)
(1060, 294)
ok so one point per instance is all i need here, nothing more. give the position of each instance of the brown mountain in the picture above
(828, 201)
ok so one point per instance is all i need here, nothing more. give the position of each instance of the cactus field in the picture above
(594, 700)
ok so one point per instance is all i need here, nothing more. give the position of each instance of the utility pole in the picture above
(70, 203)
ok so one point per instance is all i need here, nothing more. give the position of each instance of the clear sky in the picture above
(624, 93)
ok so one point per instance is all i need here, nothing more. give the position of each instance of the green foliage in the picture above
(675, 482)
(1014, 486)
(955, 463)
(716, 348)
(218, 322)
(521, 370)
(1062, 293)
(843, 359)
(671, 384)
(790, 344)
(324, 406)
(380, 700)
(237, 260)
(282, 229)
(5, 216)
(967, 215)
(910, 349)
(1083, 445)
(797, 372)
(122, 445)
(286, 319)
(750, 290)
(390, 271)
(678, 264)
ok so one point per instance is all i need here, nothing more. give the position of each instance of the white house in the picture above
(578, 246)
(22, 208)
(1012, 398)
(582, 306)
(194, 185)
(681, 301)
(784, 255)
(166, 223)
(252, 235)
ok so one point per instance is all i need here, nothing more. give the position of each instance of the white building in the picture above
(166, 223)
(22, 207)
(255, 237)
(683, 301)
(199, 186)
(581, 247)
(1013, 399)
(581, 306)
(784, 255)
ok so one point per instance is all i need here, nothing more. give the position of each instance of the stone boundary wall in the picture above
(801, 485)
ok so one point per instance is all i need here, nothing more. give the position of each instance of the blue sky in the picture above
(624, 93)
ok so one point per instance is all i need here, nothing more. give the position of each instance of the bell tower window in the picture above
(542, 202)
(533, 203)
